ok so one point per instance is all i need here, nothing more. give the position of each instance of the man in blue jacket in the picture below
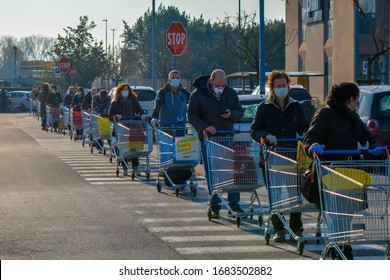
(214, 106)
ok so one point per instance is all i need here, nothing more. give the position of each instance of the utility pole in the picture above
(261, 48)
(154, 67)
(15, 49)
(113, 49)
(105, 67)
(239, 41)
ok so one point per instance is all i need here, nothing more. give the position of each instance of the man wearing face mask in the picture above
(87, 101)
(171, 101)
(214, 106)
(280, 116)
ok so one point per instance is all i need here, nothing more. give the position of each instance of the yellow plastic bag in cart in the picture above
(103, 126)
(302, 159)
(350, 179)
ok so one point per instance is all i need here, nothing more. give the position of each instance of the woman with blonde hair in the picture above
(125, 104)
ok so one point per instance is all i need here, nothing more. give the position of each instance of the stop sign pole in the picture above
(176, 40)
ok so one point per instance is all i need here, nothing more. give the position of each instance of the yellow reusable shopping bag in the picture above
(302, 159)
(335, 182)
(103, 126)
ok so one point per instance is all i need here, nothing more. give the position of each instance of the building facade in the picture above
(335, 38)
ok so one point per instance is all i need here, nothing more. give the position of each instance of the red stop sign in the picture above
(73, 72)
(64, 65)
(176, 38)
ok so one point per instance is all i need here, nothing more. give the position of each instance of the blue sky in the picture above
(21, 18)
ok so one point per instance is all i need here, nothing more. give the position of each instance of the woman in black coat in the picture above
(125, 104)
(337, 126)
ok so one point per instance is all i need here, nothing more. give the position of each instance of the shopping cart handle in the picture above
(350, 152)
(172, 122)
(221, 132)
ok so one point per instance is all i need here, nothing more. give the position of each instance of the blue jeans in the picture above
(233, 198)
(43, 116)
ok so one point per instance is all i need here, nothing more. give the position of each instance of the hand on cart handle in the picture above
(154, 122)
(210, 130)
(382, 150)
(118, 117)
(269, 139)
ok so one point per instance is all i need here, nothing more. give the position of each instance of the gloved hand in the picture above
(317, 148)
(154, 122)
(378, 150)
(118, 117)
(272, 139)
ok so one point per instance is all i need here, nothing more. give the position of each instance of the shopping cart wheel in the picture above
(117, 172)
(177, 191)
(147, 176)
(209, 214)
(300, 247)
(110, 159)
(318, 235)
(51, 130)
(194, 191)
(104, 152)
(267, 237)
(238, 221)
(83, 143)
(251, 215)
(91, 150)
(158, 185)
(132, 175)
(260, 220)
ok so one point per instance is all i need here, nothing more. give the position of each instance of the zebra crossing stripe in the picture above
(211, 238)
(190, 229)
(168, 220)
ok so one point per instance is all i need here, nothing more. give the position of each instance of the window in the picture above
(330, 19)
(145, 95)
(384, 106)
(313, 10)
(362, 105)
(368, 7)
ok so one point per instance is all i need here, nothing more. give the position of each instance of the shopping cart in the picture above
(86, 125)
(233, 167)
(283, 169)
(53, 115)
(33, 107)
(66, 119)
(178, 149)
(76, 122)
(100, 131)
(132, 138)
(354, 202)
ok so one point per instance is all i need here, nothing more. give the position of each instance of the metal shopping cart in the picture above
(132, 138)
(33, 107)
(76, 122)
(53, 116)
(354, 200)
(100, 131)
(178, 149)
(233, 167)
(66, 119)
(86, 125)
(283, 170)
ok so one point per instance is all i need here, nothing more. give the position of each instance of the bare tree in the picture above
(7, 56)
(379, 39)
(36, 47)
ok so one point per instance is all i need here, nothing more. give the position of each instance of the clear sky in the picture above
(21, 18)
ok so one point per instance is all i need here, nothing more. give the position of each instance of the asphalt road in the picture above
(57, 201)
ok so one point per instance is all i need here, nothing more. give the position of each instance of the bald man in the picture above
(214, 106)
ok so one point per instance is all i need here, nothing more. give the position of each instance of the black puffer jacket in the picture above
(205, 110)
(338, 128)
(130, 107)
(282, 123)
(54, 99)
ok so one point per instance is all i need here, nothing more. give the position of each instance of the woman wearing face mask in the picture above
(77, 103)
(337, 126)
(125, 104)
(280, 116)
(54, 100)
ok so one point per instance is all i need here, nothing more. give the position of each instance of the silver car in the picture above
(19, 100)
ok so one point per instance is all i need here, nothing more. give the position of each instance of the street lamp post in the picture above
(113, 48)
(239, 41)
(15, 49)
(154, 67)
(104, 79)
(261, 47)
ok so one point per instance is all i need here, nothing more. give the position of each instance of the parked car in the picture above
(249, 103)
(374, 110)
(300, 94)
(145, 97)
(19, 100)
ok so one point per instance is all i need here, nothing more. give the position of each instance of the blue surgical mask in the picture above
(281, 92)
(175, 83)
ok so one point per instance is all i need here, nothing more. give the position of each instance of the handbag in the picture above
(309, 186)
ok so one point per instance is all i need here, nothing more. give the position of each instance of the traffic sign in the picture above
(176, 38)
(73, 72)
(57, 72)
(64, 65)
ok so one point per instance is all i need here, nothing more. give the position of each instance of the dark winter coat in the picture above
(130, 107)
(204, 109)
(77, 101)
(54, 99)
(282, 123)
(68, 100)
(338, 128)
(87, 101)
(42, 98)
(171, 106)
(101, 107)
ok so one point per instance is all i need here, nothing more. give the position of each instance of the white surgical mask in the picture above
(53, 91)
(281, 92)
(125, 93)
(219, 90)
(175, 83)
